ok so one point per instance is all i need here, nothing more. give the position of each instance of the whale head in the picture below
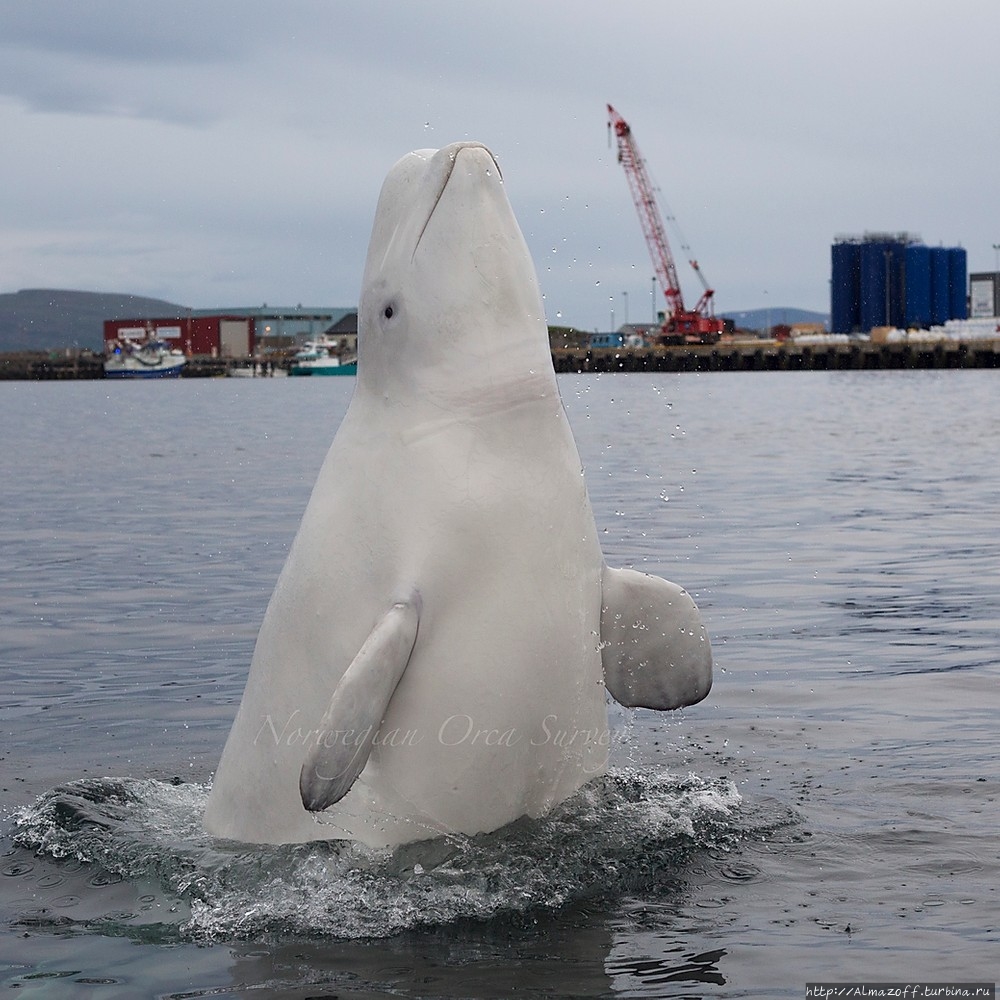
(449, 295)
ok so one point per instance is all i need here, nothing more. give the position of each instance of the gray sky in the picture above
(230, 152)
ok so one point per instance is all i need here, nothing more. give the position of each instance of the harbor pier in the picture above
(746, 356)
(733, 356)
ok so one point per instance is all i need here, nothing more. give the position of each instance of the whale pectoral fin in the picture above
(350, 725)
(654, 647)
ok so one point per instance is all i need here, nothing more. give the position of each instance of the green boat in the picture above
(322, 357)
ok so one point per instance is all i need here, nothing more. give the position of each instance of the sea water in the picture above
(828, 813)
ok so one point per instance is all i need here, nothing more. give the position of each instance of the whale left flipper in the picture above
(654, 647)
(357, 707)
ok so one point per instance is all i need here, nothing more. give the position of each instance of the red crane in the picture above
(698, 325)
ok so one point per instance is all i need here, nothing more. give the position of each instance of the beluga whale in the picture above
(437, 651)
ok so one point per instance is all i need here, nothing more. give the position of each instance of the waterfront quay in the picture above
(758, 355)
(741, 356)
(73, 364)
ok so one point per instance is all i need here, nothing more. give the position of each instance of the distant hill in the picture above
(760, 319)
(39, 319)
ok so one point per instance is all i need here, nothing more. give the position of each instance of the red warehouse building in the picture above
(216, 336)
(229, 333)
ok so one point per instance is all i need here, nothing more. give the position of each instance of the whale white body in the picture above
(434, 657)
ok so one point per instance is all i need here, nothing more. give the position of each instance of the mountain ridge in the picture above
(43, 319)
(761, 319)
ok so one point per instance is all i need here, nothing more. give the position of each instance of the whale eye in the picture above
(388, 312)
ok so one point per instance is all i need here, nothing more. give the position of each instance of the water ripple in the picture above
(621, 832)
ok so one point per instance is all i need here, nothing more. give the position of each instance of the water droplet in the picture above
(18, 868)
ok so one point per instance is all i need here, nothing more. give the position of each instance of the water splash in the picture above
(623, 831)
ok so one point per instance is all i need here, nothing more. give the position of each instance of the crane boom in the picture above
(698, 324)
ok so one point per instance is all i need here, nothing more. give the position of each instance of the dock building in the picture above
(234, 333)
(984, 294)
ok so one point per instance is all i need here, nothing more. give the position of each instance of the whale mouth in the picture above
(453, 152)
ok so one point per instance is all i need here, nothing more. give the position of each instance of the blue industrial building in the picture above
(892, 279)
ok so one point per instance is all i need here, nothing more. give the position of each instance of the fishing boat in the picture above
(143, 359)
(322, 357)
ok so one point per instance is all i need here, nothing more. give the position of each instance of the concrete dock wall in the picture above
(732, 357)
(786, 356)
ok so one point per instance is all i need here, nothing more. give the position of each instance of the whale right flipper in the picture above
(348, 729)
(654, 647)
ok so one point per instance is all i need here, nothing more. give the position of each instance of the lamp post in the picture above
(652, 300)
(996, 250)
(625, 296)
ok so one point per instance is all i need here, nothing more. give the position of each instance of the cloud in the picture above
(115, 58)
(121, 31)
(251, 138)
